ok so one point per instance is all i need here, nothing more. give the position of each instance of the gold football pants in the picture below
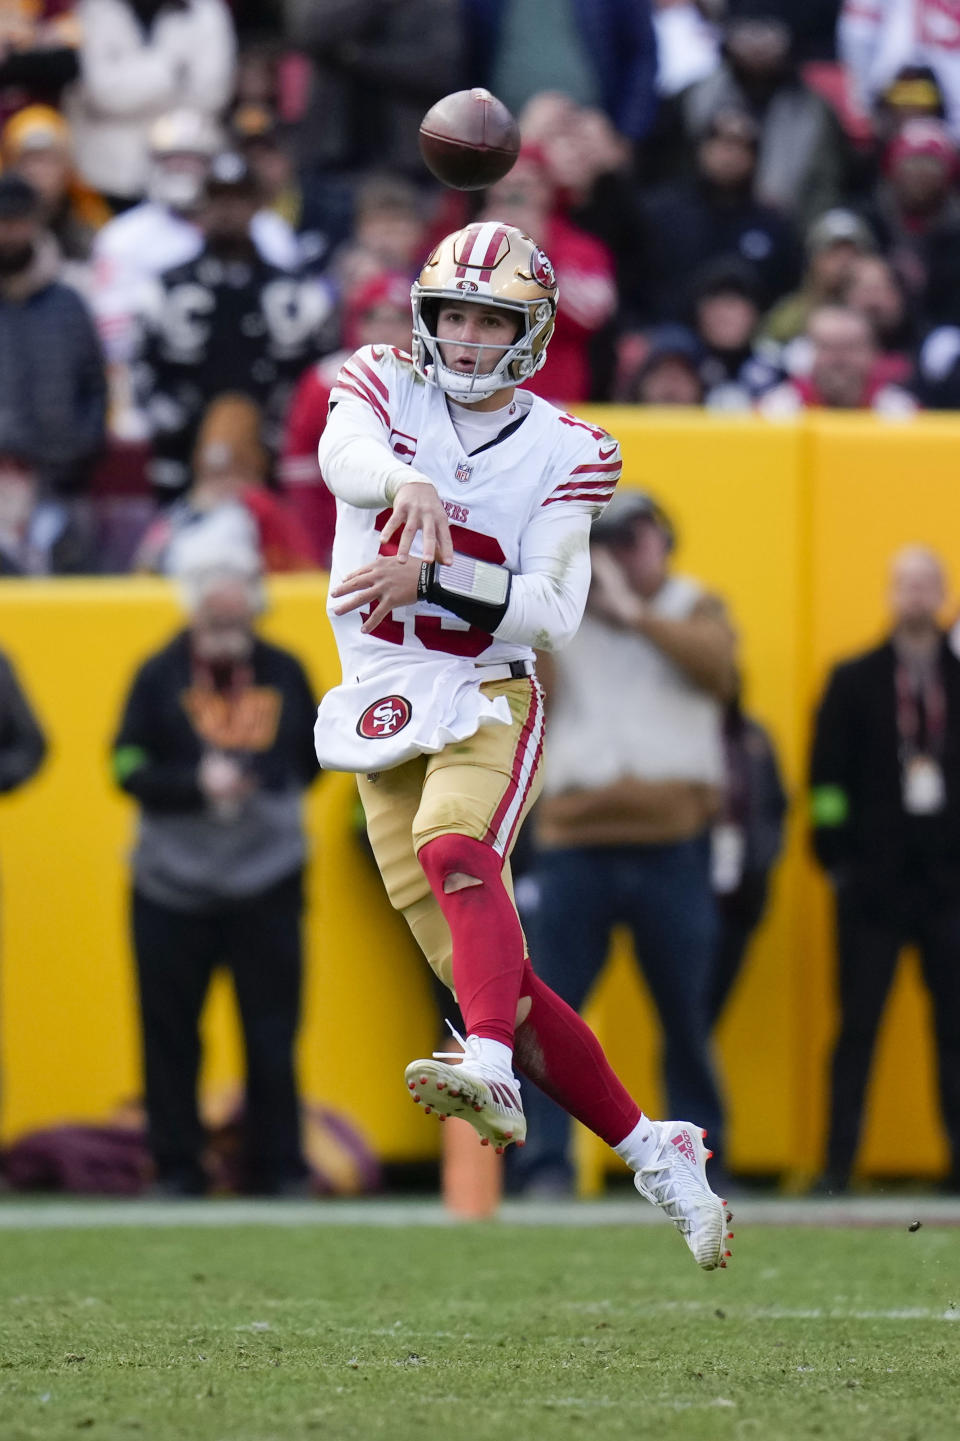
(482, 787)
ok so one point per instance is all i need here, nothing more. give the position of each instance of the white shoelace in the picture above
(471, 1052)
(685, 1182)
(467, 1048)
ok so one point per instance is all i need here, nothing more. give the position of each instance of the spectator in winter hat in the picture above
(834, 242)
(36, 144)
(727, 311)
(670, 372)
(914, 93)
(915, 213)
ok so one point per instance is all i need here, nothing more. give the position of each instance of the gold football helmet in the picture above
(489, 263)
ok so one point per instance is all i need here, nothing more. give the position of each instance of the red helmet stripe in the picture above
(472, 231)
(482, 247)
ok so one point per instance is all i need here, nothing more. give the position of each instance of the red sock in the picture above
(487, 938)
(559, 1052)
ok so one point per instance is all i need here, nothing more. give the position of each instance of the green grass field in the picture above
(499, 1332)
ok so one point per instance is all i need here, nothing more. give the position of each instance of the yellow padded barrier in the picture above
(792, 522)
(67, 1005)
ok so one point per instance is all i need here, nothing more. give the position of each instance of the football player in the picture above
(464, 506)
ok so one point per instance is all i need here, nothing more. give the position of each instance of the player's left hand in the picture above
(384, 584)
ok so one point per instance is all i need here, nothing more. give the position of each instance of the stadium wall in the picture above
(793, 522)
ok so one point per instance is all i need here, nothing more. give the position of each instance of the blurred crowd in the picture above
(751, 205)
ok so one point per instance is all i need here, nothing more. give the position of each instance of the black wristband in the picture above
(464, 603)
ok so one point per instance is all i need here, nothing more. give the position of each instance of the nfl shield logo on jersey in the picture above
(464, 472)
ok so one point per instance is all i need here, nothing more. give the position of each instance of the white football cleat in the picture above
(676, 1181)
(476, 1092)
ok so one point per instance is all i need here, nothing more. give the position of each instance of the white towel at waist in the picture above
(380, 720)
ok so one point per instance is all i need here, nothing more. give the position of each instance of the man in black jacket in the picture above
(53, 389)
(226, 322)
(216, 744)
(885, 804)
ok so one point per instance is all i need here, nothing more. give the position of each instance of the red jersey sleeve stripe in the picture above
(594, 496)
(597, 465)
(361, 384)
(585, 484)
(372, 376)
(366, 396)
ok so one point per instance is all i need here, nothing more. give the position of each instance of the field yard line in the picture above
(739, 1312)
(80, 1213)
(735, 1311)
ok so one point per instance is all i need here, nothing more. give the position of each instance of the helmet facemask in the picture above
(517, 362)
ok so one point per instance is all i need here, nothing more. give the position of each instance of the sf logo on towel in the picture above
(384, 718)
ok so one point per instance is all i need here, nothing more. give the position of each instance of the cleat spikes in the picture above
(730, 1236)
(709, 1155)
(489, 1101)
(703, 1134)
(499, 1150)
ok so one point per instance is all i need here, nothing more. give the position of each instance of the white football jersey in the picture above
(525, 501)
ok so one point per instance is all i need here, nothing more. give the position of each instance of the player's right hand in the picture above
(417, 506)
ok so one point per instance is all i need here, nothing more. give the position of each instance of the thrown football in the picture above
(469, 139)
